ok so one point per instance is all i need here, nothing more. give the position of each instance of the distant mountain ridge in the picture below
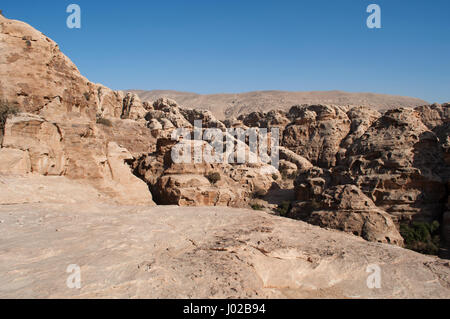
(230, 105)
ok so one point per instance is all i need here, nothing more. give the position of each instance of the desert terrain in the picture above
(88, 178)
(233, 105)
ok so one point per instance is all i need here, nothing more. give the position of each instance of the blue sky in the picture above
(219, 46)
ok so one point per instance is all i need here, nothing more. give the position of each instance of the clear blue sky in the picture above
(214, 46)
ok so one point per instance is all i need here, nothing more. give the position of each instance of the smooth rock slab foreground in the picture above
(172, 252)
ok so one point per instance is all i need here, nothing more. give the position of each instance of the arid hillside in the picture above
(225, 106)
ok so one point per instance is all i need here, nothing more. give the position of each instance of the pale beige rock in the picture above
(14, 161)
(127, 188)
(267, 120)
(316, 133)
(41, 139)
(206, 118)
(80, 151)
(53, 86)
(212, 252)
(35, 188)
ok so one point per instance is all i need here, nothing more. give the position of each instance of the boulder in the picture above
(346, 208)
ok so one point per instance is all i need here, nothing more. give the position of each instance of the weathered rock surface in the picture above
(35, 189)
(265, 120)
(36, 76)
(346, 208)
(68, 123)
(173, 252)
(316, 133)
(357, 170)
(179, 180)
(14, 161)
(398, 163)
(81, 151)
(396, 160)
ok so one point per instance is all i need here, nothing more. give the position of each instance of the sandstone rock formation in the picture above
(398, 160)
(62, 129)
(187, 183)
(355, 169)
(398, 163)
(192, 252)
(265, 120)
(346, 208)
(316, 132)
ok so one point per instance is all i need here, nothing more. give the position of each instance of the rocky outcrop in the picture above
(53, 87)
(179, 180)
(398, 163)
(345, 207)
(361, 119)
(67, 124)
(167, 113)
(396, 160)
(78, 151)
(133, 108)
(316, 132)
(355, 169)
(265, 120)
(40, 139)
(206, 118)
(225, 106)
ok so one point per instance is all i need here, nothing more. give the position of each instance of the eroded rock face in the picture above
(178, 180)
(265, 120)
(396, 160)
(67, 124)
(168, 114)
(361, 119)
(398, 164)
(345, 207)
(14, 161)
(37, 77)
(53, 86)
(40, 139)
(78, 151)
(316, 133)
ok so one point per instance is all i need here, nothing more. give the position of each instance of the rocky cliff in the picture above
(67, 125)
